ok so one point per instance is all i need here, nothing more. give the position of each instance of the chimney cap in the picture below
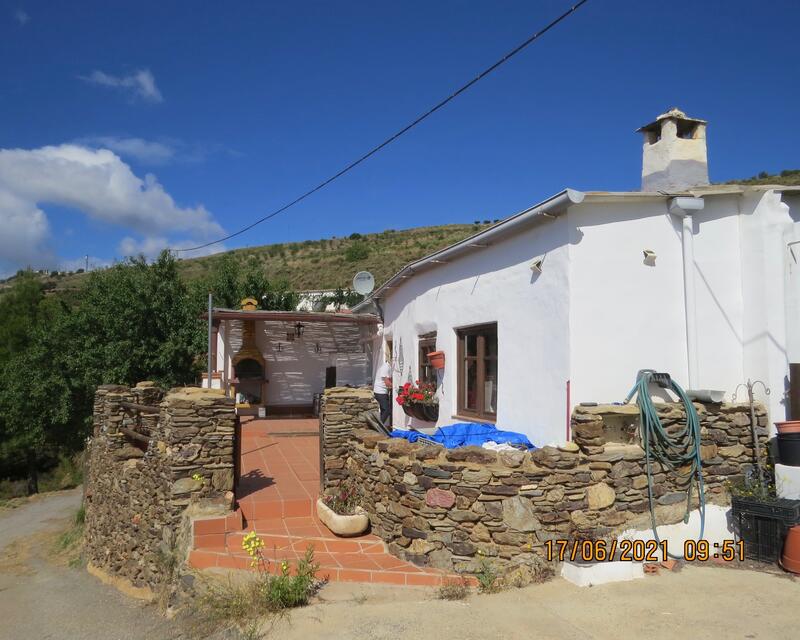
(675, 114)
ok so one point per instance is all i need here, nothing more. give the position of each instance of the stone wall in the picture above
(341, 411)
(453, 508)
(138, 489)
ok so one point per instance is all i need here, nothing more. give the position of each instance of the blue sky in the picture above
(235, 108)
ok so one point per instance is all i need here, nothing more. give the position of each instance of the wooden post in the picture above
(210, 369)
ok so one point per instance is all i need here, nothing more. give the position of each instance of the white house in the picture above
(566, 301)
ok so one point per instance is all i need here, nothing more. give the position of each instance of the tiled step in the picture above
(210, 533)
(277, 509)
(356, 567)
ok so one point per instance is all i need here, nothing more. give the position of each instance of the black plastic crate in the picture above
(763, 536)
(787, 511)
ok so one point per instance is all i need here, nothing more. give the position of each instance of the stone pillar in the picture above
(341, 412)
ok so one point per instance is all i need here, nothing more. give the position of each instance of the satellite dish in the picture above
(363, 283)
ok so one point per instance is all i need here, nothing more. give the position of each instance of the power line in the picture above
(394, 137)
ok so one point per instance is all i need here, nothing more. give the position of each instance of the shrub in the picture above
(453, 590)
(344, 498)
(487, 578)
(357, 251)
(224, 605)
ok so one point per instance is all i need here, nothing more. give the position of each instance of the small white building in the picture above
(277, 362)
(566, 301)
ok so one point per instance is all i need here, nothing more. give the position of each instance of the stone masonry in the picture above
(340, 413)
(138, 490)
(454, 509)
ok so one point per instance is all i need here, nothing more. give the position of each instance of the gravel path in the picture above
(39, 599)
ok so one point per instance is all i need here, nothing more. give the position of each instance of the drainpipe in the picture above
(684, 208)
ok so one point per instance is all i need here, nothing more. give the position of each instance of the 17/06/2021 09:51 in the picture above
(641, 550)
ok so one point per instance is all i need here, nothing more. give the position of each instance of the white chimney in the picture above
(674, 156)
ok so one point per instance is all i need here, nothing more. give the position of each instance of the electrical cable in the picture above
(395, 136)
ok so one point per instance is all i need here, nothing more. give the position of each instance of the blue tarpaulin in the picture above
(463, 434)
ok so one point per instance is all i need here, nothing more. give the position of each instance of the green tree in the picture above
(358, 250)
(43, 409)
(19, 310)
(136, 322)
(230, 282)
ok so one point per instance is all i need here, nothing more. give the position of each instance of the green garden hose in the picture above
(674, 451)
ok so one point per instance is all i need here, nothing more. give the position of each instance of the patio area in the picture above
(277, 492)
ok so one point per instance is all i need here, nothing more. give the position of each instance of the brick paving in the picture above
(277, 495)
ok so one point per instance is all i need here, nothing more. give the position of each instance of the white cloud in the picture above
(151, 246)
(95, 182)
(21, 17)
(145, 151)
(73, 264)
(25, 231)
(141, 83)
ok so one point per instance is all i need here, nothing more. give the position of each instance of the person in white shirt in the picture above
(383, 392)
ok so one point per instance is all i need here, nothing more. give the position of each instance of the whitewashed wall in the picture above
(627, 315)
(598, 313)
(495, 284)
(765, 281)
(624, 314)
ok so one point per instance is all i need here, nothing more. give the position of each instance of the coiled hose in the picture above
(674, 451)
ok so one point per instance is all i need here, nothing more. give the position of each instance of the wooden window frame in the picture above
(480, 358)
(425, 344)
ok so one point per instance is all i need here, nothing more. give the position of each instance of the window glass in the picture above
(471, 347)
(490, 349)
(426, 373)
(490, 386)
(471, 385)
(477, 371)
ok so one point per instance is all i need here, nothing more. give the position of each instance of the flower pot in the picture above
(789, 449)
(428, 412)
(436, 358)
(790, 560)
(341, 525)
(790, 426)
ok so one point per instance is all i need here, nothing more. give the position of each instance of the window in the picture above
(477, 371)
(426, 373)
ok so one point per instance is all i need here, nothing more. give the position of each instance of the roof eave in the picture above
(550, 207)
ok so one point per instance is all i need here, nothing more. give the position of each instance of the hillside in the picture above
(332, 263)
(315, 264)
(787, 177)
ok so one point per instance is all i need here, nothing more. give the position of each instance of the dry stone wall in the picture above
(138, 489)
(341, 411)
(455, 509)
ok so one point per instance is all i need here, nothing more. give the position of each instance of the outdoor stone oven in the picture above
(455, 508)
(249, 367)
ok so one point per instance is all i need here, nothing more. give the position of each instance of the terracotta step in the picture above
(210, 533)
(334, 567)
(277, 509)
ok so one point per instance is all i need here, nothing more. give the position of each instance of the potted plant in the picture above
(340, 511)
(436, 358)
(419, 400)
(760, 518)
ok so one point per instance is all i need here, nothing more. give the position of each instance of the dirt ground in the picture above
(42, 598)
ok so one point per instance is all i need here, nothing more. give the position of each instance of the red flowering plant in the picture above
(419, 392)
(343, 499)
